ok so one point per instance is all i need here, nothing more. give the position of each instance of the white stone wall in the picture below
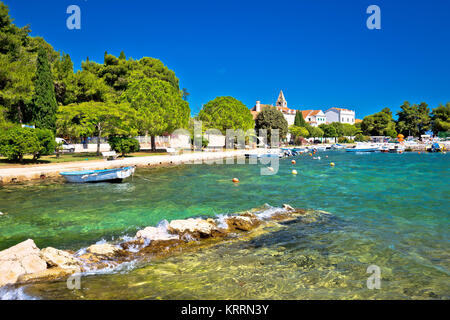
(290, 118)
(332, 115)
(91, 147)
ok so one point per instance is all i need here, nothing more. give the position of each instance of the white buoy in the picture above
(294, 172)
(270, 168)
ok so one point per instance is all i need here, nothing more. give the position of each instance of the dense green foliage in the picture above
(361, 138)
(299, 121)
(329, 131)
(315, 132)
(18, 56)
(98, 119)
(159, 106)
(379, 124)
(413, 120)
(441, 118)
(123, 145)
(47, 142)
(224, 113)
(269, 119)
(16, 142)
(44, 107)
(297, 131)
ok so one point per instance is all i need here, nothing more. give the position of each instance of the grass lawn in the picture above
(69, 157)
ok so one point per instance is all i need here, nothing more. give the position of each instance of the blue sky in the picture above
(320, 53)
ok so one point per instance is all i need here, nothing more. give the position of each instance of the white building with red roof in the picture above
(314, 117)
(340, 115)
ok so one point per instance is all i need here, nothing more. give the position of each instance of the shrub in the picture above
(361, 138)
(205, 142)
(47, 141)
(345, 140)
(124, 145)
(17, 142)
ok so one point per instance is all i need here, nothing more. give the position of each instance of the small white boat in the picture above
(397, 149)
(363, 147)
(107, 175)
(337, 146)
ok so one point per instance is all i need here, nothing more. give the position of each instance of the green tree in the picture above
(299, 121)
(224, 113)
(88, 87)
(64, 80)
(441, 118)
(47, 142)
(186, 94)
(413, 119)
(329, 131)
(44, 106)
(18, 53)
(159, 105)
(269, 119)
(349, 130)
(339, 127)
(296, 131)
(315, 132)
(96, 119)
(379, 124)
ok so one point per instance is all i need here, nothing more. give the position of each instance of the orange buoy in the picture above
(310, 154)
(235, 180)
(293, 161)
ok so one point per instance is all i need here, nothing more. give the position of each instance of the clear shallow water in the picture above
(387, 209)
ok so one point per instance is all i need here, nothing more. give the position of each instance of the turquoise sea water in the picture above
(389, 210)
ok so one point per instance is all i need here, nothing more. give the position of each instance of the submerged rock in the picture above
(104, 250)
(153, 233)
(161, 247)
(195, 228)
(59, 258)
(23, 258)
(245, 222)
(51, 274)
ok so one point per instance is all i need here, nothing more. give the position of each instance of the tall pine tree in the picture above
(44, 108)
(299, 121)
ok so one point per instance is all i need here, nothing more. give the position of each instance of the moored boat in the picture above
(337, 146)
(363, 147)
(107, 175)
(397, 149)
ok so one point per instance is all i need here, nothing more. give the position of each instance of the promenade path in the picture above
(43, 171)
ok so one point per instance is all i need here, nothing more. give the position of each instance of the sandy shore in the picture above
(43, 171)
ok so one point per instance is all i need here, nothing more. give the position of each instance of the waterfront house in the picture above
(340, 115)
(314, 117)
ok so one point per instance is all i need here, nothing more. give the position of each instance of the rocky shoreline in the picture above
(26, 263)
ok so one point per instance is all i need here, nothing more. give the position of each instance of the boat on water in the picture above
(364, 147)
(337, 146)
(397, 149)
(107, 175)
